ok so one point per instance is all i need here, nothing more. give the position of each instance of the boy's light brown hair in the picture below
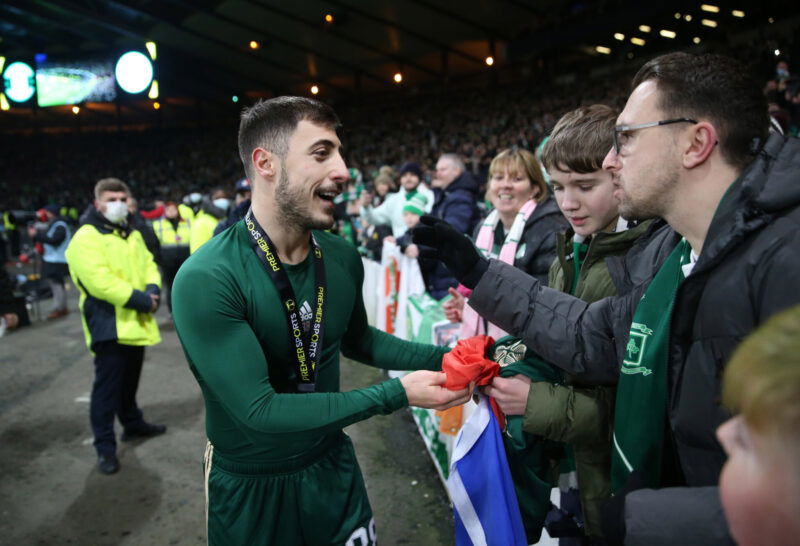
(762, 379)
(580, 140)
(110, 184)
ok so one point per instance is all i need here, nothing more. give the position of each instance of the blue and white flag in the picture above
(484, 502)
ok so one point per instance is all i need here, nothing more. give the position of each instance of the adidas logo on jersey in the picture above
(305, 312)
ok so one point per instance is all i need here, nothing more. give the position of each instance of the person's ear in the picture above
(699, 145)
(264, 163)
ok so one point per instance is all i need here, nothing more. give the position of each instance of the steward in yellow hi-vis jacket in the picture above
(119, 288)
(174, 233)
(211, 212)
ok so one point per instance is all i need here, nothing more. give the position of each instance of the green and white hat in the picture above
(416, 204)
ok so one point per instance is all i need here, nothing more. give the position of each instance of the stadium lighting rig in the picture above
(134, 72)
(20, 82)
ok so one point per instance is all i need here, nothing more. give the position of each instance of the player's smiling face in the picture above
(312, 175)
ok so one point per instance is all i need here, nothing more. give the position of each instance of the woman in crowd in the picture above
(520, 230)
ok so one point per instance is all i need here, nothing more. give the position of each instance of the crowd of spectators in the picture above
(475, 123)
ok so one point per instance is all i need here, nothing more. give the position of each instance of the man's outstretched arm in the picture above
(566, 331)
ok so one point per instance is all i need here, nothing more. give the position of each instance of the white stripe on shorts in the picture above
(207, 458)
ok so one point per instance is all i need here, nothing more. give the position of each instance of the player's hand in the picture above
(425, 389)
(454, 249)
(454, 307)
(511, 393)
(155, 303)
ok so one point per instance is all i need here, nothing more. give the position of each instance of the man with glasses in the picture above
(691, 147)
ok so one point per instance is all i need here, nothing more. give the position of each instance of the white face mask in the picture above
(221, 203)
(195, 198)
(116, 211)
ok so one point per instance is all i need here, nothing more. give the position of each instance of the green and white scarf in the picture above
(641, 406)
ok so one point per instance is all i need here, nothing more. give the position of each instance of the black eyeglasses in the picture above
(621, 131)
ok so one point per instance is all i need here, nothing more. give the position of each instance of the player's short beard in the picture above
(293, 206)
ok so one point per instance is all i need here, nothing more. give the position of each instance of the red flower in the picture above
(467, 362)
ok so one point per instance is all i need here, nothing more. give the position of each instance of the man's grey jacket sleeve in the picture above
(676, 515)
(586, 340)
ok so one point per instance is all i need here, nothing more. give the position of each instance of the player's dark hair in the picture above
(270, 123)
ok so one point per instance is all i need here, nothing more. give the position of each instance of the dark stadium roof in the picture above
(204, 52)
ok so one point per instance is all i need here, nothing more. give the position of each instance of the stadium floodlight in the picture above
(644, 28)
(489, 60)
(667, 33)
(76, 110)
(2, 63)
(696, 39)
(619, 36)
(688, 18)
(153, 93)
(398, 77)
(314, 89)
(709, 23)
(709, 8)
(603, 49)
(235, 98)
(4, 102)
(134, 72)
(637, 41)
(737, 13)
(151, 49)
(19, 78)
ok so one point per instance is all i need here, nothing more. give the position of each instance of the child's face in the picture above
(758, 486)
(586, 200)
(410, 219)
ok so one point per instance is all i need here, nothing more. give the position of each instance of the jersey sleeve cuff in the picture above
(395, 394)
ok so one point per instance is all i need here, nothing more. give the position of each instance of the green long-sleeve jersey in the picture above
(229, 317)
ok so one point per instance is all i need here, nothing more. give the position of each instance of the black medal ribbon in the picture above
(308, 346)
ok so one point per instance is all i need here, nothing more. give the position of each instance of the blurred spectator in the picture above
(390, 212)
(173, 233)
(136, 221)
(456, 202)
(55, 238)
(13, 312)
(212, 210)
(413, 209)
(240, 206)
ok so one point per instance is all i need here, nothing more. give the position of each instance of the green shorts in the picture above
(316, 499)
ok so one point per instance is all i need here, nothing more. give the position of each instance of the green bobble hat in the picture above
(416, 204)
